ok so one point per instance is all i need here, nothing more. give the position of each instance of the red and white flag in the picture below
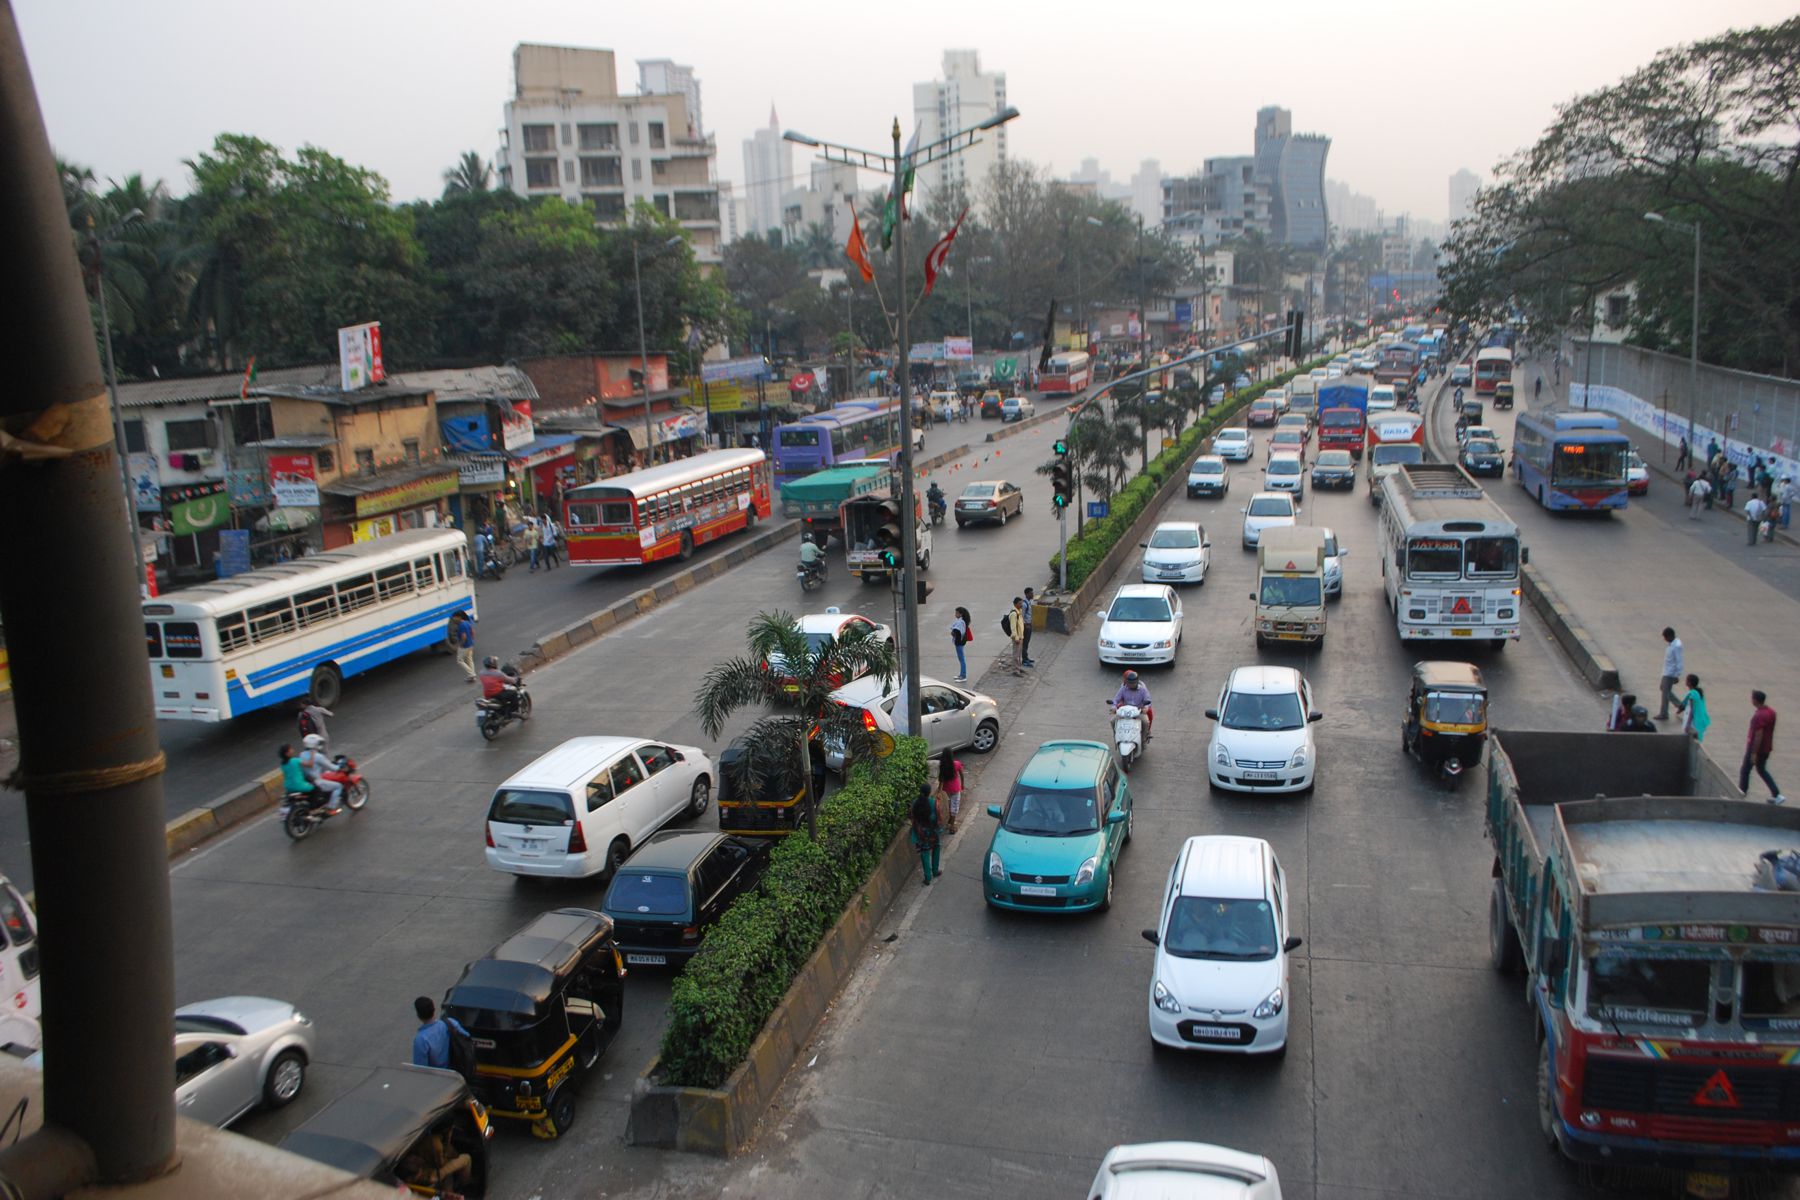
(934, 260)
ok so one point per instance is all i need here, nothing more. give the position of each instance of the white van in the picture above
(581, 809)
(1290, 586)
(18, 955)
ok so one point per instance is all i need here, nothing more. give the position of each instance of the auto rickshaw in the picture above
(1445, 725)
(1503, 395)
(541, 1008)
(414, 1127)
(1470, 410)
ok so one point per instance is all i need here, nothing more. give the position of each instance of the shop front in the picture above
(543, 468)
(366, 507)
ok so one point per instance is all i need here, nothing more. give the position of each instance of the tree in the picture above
(1261, 265)
(781, 658)
(470, 176)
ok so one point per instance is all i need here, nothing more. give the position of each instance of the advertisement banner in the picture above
(1184, 312)
(959, 349)
(247, 489)
(407, 495)
(200, 513)
(927, 351)
(518, 428)
(727, 397)
(474, 472)
(736, 370)
(359, 356)
(292, 481)
(146, 484)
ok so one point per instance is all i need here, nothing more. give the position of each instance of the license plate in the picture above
(1218, 1031)
(1462, 633)
(1034, 889)
(531, 846)
(1708, 1185)
(648, 960)
(1258, 774)
(1173, 574)
(1290, 637)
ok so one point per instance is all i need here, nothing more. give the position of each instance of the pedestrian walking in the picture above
(534, 538)
(1699, 495)
(1623, 703)
(310, 718)
(1695, 718)
(1030, 603)
(1785, 495)
(1754, 512)
(927, 832)
(1757, 748)
(431, 1044)
(962, 632)
(553, 541)
(1013, 622)
(950, 783)
(1672, 670)
(1681, 455)
(462, 640)
(1728, 478)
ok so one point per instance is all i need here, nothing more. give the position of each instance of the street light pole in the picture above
(112, 388)
(637, 283)
(1143, 304)
(1694, 325)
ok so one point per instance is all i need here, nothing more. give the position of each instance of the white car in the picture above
(1262, 738)
(1279, 395)
(1177, 552)
(1142, 625)
(1220, 978)
(1266, 510)
(817, 628)
(1335, 554)
(1233, 445)
(1334, 372)
(1637, 475)
(1184, 1171)
(1016, 408)
(944, 405)
(581, 809)
(1286, 473)
(1208, 477)
(951, 717)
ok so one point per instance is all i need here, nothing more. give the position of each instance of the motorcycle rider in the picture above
(1133, 692)
(812, 557)
(315, 764)
(499, 683)
(934, 498)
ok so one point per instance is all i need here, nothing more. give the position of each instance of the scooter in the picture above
(303, 812)
(811, 575)
(938, 508)
(493, 715)
(1128, 733)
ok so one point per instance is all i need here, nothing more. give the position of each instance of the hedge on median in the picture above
(721, 999)
(1088, 550)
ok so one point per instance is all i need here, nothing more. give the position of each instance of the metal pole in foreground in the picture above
(637, 280)
(112, 391)
(1062, 557)
(909, 532)
(1694, 343)
(90, 767)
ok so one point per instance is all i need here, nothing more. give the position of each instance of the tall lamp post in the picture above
(898, 164)
(112, 384)
(637, 283)
(1694, 328)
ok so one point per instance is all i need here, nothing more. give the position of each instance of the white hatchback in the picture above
(1262, 738)
(1184, 1171)
(1266, 510)
(1220, 979)
(1177, 552)
(1233, 445)
(1142, 625)
(1286, 473)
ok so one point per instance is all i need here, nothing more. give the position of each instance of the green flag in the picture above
(895, 209)
(200, 514)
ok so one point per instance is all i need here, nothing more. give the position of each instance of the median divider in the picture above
(1595, 665)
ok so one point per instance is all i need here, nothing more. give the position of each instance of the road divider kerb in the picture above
(1595, 665)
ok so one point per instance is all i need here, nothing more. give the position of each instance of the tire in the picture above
(508, 554)
(925, 562)
(1127, 763)
(1106, 897)
(297, 824)
(700, 797)
(327, 686)
(750, 518)
(961, 524)
(490, 728)
(287, 1075)
(1504, 951)
(1546, 1099)
(524, 706)
(1130, 822)
(987, 736)
(616, 854)
(1003, 518)
(687, 546)
(560, 1110)
(356, 795)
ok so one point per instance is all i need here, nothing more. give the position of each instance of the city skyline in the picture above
(415, 90)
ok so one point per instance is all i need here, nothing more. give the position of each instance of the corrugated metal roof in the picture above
(362, 485)
(150, 393)
(472, 383)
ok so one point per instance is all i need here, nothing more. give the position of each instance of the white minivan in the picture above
(581, 809)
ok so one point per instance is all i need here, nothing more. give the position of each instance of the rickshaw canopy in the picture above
(366, 1130)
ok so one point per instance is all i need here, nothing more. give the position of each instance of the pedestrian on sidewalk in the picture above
(534, 538)
(1681, 455)
(927, 832)
(1699, 494)
(1671, 672)
(1754, 512)
(1785, 496)
(1728, 480)
(962, 632)
(1030, 603)
(1013, 622)
(950, 784)
(1695, 718)
(1757, 748)
(552, 542)
(462, 639)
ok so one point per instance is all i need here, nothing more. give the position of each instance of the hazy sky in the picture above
(1408, 92)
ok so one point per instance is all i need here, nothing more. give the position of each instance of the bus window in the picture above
(181, 639)
(1493, 556)
(269, 620)
(453, 565)
(356, 592)
(616, 512)
(797, 437)
(645, 512)
(153, 638)
(13, 917)
(582, 516)
(234, 634)
(315, 606)
(393, 581)
(425, 572)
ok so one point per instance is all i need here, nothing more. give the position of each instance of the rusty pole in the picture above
(90, 767)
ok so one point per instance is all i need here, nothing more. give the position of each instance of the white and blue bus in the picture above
(1571, 460)
(219, 650)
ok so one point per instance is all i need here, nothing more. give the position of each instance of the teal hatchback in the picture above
(1061, 830)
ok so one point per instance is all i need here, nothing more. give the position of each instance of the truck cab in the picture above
(1290, 585)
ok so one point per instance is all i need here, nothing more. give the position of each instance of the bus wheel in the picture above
(687, 546)
(327, 686)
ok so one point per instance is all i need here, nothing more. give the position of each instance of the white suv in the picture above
(1220, 978)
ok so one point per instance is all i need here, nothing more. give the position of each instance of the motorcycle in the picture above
(1128, 733)
(492, 714)
(939, 506)
(811, 575)
(303, 812)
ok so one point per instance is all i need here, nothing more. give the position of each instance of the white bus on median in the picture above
(1450, 558)
(222, 649)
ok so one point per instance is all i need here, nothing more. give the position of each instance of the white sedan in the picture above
(1177, 552)
(1267, 510)
(1262, 738)
(952, 717)
(1142, 625)
(1233, 445)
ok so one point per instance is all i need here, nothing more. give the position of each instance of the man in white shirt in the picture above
(1754, 513)
(1671, 673)
(1697, 493)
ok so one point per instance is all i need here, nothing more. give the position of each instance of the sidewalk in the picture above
(1736, 607)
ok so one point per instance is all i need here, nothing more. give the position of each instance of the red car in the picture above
(1262, 412)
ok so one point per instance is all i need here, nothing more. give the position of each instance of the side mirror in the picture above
(1252, 595)
(994, 811)
(1524, 555)
(1115, 818)
(1343, 553)
(1556, 956)
(1212, 714)
(1150, 936)
(1143, 545)
(677, 755)
(1291, 945)
(1314, 716)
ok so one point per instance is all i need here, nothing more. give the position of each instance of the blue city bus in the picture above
(853, 431)
(1571, 460)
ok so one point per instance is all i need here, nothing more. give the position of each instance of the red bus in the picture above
(1493, 365)
(666, 511)
(1065, 373)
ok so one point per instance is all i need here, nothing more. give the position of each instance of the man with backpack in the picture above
(311, 719)
(441, 1042)
(1012, 623)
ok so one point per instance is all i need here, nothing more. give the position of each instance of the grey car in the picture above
(238, 1053)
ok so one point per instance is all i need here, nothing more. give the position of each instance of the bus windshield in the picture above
(1440, 557)
(791, 438)
(1590, 462)
(1403, 452)
(1493, 556)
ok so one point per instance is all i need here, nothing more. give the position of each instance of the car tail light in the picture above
(490, 836)
(691, 933)
(868, 720)
(577, 839)
(992, 504)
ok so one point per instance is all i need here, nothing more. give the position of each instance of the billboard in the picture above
(959, 349)
(292, 481)
(359, 356)
(735, 370)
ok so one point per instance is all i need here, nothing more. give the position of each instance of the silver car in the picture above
(952, 717)
(238, 1053)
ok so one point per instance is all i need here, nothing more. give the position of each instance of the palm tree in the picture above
(470, 176)
(817, 246)
(786, 668)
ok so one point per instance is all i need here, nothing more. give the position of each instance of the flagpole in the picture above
(909, 531)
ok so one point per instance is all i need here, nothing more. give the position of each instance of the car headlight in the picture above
(1164, 644)
(1106, 644)
(1085, 872)
(1165, 999)
(301, 1018)
(1299, 759)
(996, 868)
(1269, 1007)
(1221, 756)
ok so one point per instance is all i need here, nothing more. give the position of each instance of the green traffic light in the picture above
(1062, 447)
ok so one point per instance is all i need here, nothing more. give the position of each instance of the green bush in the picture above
(1097, 538)
(721, 999)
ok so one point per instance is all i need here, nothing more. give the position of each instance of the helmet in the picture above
(490, 662)
(312, 741)
(1639, 713)
(1131, 679)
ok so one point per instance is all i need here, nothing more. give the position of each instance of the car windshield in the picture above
(1263, 405)
(1455, 708)
(1286, 437)
(1175, 539)
(1051, 812)
(1208, 468)
(1232, 435)
(1139, 608)
(1284, 466)
(1283, 591)
(1232, 930)
(1626, 986)
(519, 806)
(1263, 711)
(655, 895)
(1271, 506)
(1334, 458)
(979, 489)
(1481, 446)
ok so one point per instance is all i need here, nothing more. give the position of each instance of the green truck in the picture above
(817, 500)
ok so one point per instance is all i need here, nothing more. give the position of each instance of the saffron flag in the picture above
(858, 249)
(934, 259)
(249, 378)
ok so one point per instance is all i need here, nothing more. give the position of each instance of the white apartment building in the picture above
(825, 203)
(965, 97)
(768, 176)
(570, 133)
(1463, 186)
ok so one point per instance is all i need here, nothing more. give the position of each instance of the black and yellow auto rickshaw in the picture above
(766, 798)
(1503, 394)
(541, 1007)
(414, 1127)
(1445, 726)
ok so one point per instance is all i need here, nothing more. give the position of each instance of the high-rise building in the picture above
(570, 133)
(1294, 166)
(824, 202)
(768, 173)
(1099, 183)
(1351, 211)
(1147, 191)
(664, 77)
(1227, 199)
(965, 97)
(1463, 186)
